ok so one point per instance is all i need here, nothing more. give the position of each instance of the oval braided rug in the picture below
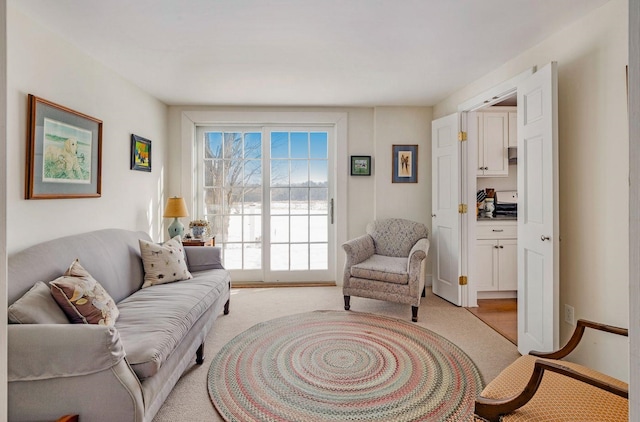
(342, 366)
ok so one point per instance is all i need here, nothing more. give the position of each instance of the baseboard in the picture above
(509, 294)
(263, 284)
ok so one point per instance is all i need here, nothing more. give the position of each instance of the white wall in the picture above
(42, 64)
(403, 126)
(634, 207)
(594, 169)
(370, 132)
(3, 209)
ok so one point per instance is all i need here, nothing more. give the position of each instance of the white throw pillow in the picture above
(163, 263)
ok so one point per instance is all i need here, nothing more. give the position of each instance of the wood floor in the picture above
(499, 314)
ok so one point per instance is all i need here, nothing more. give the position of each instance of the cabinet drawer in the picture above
(497, 231)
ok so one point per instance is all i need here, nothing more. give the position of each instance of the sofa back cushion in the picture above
(395, 236)
(111, 256)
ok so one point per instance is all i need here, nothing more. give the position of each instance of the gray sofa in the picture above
(119, 373)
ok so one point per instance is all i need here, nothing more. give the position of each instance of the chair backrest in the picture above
(396, 236)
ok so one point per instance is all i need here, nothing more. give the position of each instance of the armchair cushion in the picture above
(382, 268)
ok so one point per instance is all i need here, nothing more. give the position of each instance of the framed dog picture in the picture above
(405, 164)
(140, 153)
(64, 152)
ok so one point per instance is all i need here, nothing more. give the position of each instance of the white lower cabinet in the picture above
(496, 257)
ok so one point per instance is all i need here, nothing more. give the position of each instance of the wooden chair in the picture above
(539, 386)
(68, 418)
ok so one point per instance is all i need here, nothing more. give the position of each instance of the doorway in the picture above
(537, 224)
(492, 132)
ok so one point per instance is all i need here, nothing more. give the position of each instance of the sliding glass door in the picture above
(267, 193)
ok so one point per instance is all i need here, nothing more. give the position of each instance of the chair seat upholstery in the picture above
(551, 402)
(382, 268)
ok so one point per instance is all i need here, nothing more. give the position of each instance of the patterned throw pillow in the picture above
(163, 263)
(82, 298)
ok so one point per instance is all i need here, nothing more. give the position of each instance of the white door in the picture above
(538, 227)
(445, 218)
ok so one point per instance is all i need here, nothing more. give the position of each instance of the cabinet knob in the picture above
(433, 216)
(543, 238)
(496, 246)
(497, 230)
(501, 247)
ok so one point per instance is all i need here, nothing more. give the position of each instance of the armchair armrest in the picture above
(493, 409)
(44, 351)
(201, 258)
(577, 336)
(359, 249)
(419, 252)
(417, 255)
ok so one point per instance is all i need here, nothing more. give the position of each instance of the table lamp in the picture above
(175, 209)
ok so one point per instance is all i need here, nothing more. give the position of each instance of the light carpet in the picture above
(342, 366)
(189, 400)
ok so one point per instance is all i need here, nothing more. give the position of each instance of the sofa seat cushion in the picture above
(559, 398)
(153, 321)
(383, 268)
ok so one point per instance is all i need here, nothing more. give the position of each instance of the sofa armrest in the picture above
(57, 369)
(43, 351)
(201, 258)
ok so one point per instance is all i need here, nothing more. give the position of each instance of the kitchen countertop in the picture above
(498, 217)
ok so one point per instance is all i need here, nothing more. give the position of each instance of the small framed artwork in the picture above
(140, 153)
(64, 152)
(405, 164)
(361, 165)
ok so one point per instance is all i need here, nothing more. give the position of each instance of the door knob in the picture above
(543, 238)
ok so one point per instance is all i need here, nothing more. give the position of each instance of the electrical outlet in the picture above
(569, 314)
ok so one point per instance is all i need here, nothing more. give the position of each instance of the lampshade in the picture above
(175, 208)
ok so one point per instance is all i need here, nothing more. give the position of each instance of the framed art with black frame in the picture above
(405, 164)
(361, 165)
(140, 153)
(64, 152)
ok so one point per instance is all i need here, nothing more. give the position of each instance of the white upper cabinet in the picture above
(513, 129)
(493, 140)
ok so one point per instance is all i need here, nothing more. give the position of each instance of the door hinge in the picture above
(462, 280)
(462, 208)
(462, 136)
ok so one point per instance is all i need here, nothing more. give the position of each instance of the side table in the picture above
(199, 242)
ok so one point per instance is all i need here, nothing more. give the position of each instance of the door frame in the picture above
(468, 185)
(184, 153)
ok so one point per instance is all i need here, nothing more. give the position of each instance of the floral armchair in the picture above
(386, 263)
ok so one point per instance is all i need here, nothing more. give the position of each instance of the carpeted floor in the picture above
(190, 400)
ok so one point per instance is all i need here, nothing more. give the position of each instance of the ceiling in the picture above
(303, 52)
